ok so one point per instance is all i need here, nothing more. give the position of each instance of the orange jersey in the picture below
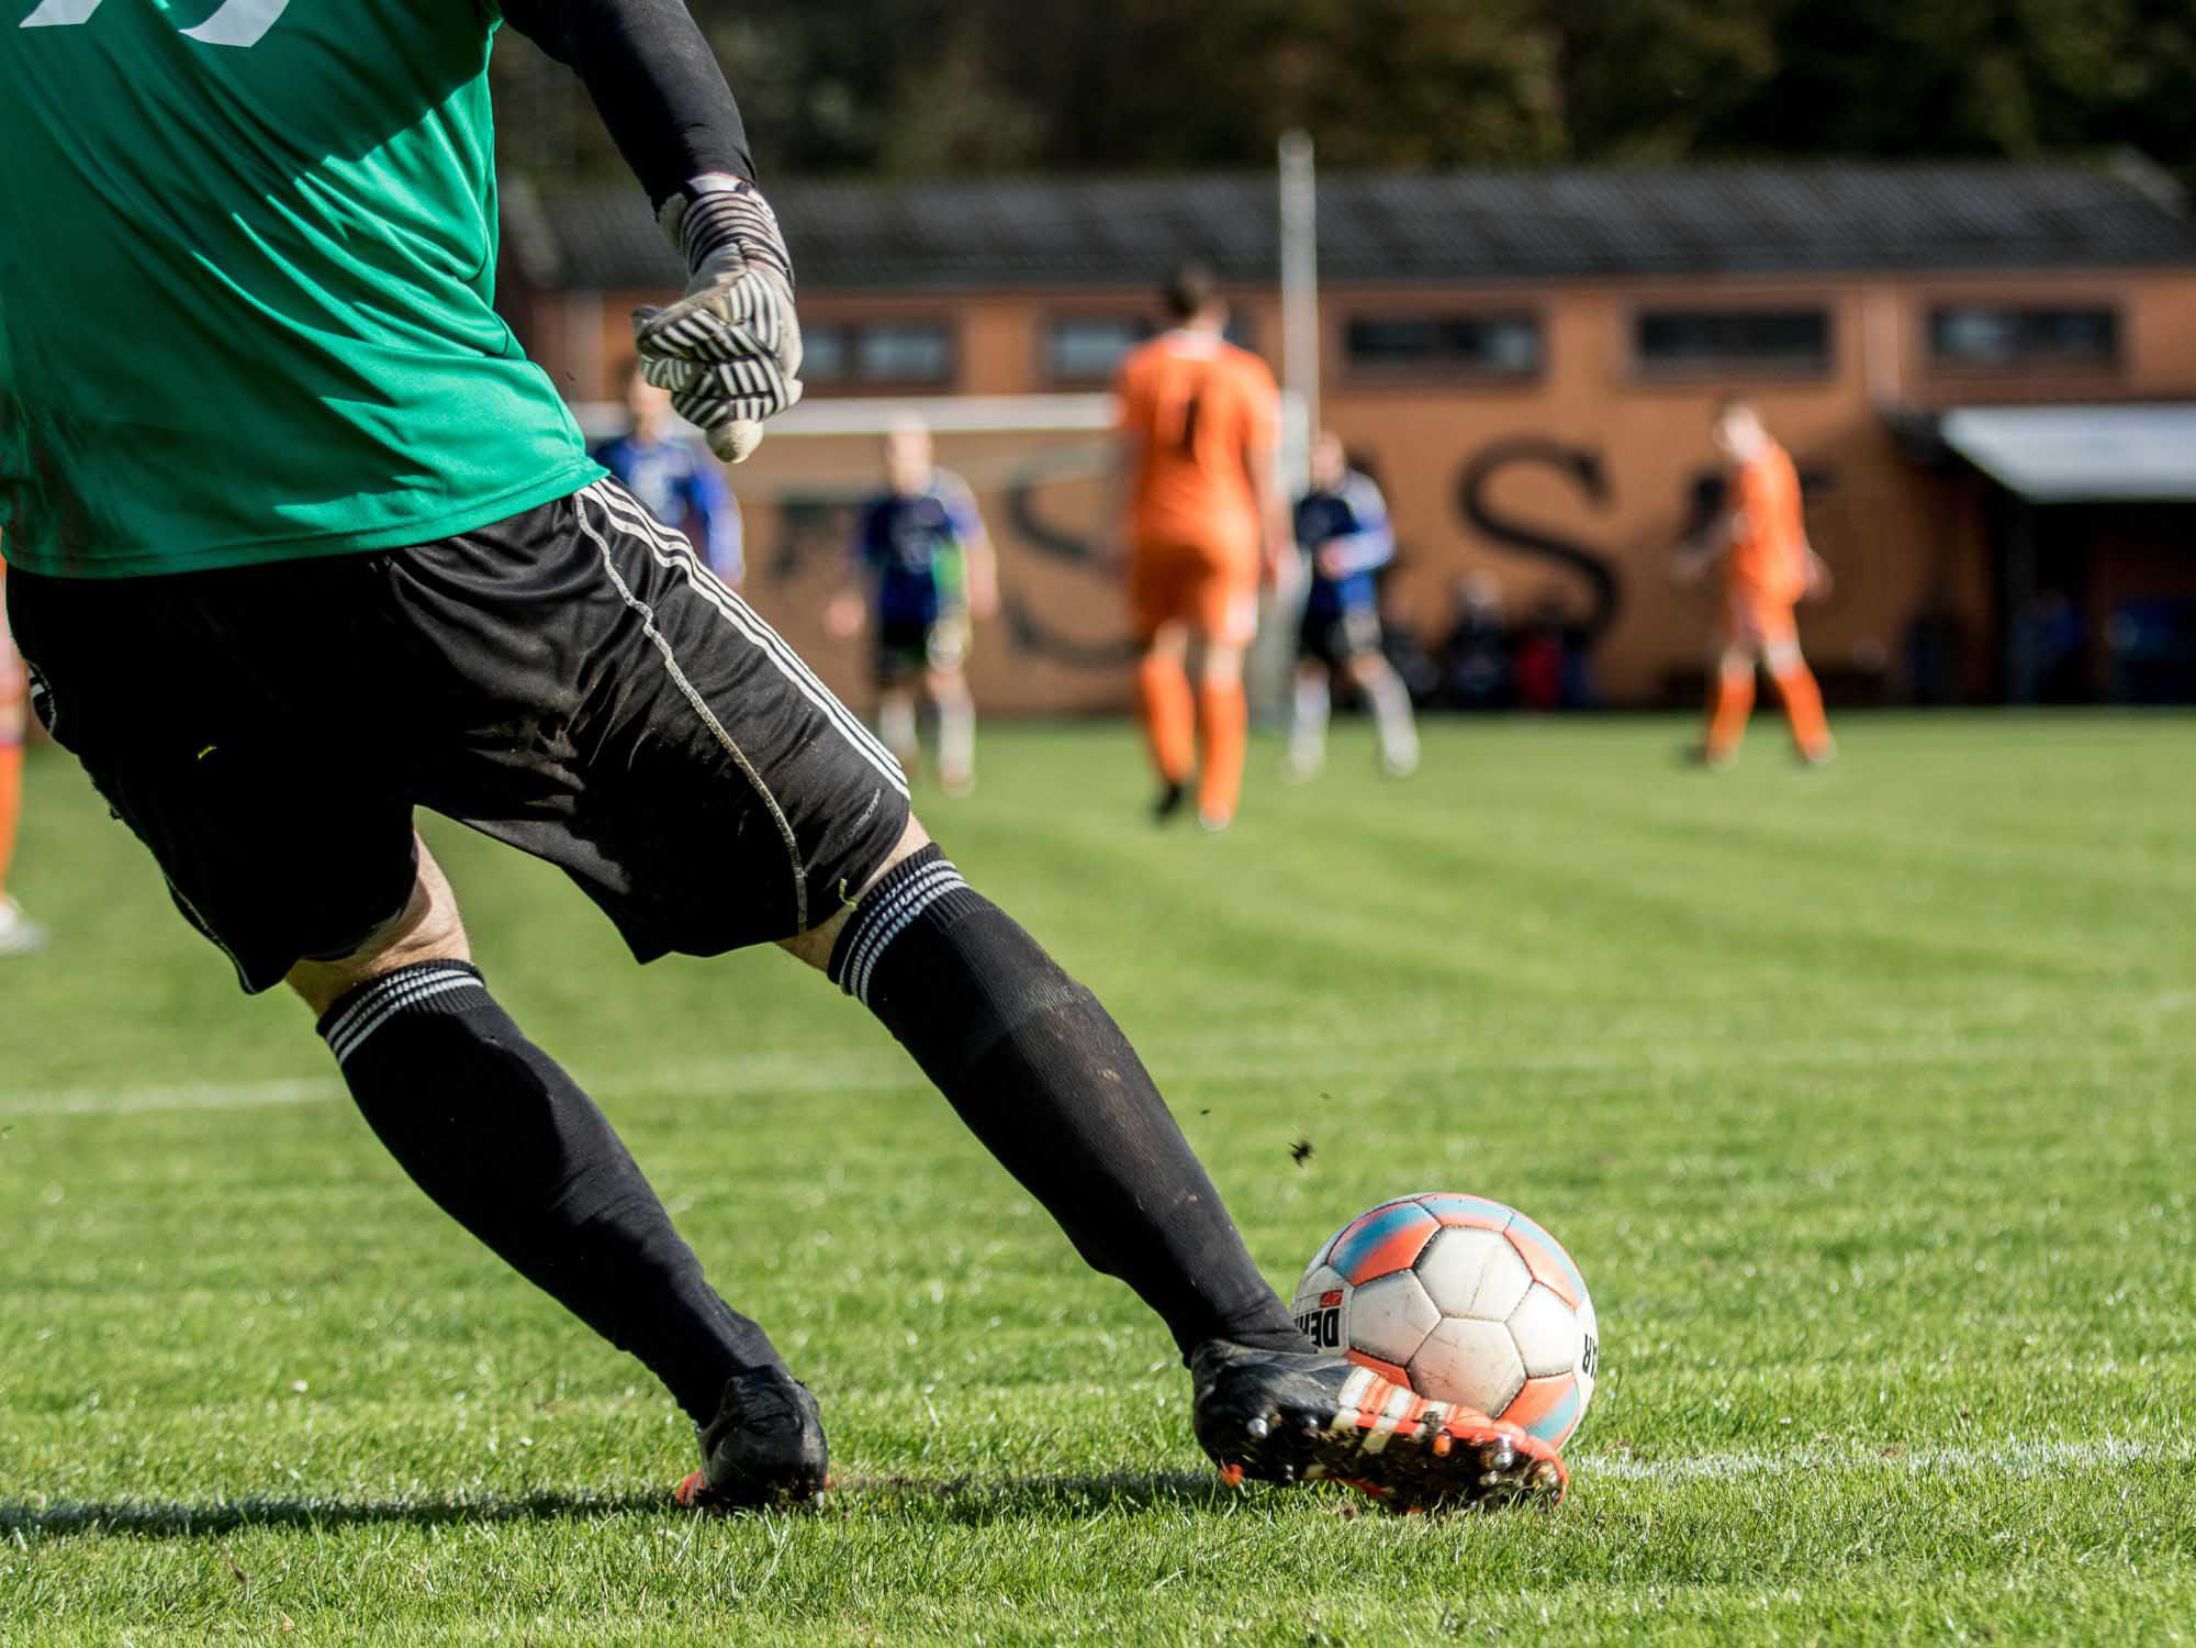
(1194, 409)
(1768, 556)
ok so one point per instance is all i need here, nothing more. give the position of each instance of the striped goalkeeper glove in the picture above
(730, 350)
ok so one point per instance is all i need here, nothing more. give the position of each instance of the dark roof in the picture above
(1734, 220)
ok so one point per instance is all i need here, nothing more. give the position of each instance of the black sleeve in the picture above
(654, 80)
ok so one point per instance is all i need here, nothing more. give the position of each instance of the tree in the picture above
(962, 86)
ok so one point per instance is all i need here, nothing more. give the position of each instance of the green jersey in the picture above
(247, 258)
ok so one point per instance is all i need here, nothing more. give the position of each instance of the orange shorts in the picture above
(1187, 584)
(1754, 619)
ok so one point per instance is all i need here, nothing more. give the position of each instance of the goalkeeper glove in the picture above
(730, 350)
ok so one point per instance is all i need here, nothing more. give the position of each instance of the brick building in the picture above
(1987, 373)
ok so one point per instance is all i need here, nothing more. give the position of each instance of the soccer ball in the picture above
(1463, 1300)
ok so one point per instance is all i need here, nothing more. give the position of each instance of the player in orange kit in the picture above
(1199, 421)
(1768, 567)
(19, 935)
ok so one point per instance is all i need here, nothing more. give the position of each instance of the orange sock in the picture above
(11, 805)
(1164, 706)
(1803, 708)
(1730, 702)
(1223, 715)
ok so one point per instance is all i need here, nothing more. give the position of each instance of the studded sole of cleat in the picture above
(1429, 1466)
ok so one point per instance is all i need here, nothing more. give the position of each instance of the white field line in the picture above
(126, 1101)
(2007, 1458)
(1206, 1062)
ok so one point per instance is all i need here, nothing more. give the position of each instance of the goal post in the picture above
(1041, 468)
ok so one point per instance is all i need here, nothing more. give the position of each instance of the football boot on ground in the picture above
(1304, 1416)
(764, 1450)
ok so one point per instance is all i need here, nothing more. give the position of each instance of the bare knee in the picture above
(814, 946)
(1369, 669)
(1169, 642)
(429, 929)
(1223, 665)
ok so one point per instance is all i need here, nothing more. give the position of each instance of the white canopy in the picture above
(2081, 454)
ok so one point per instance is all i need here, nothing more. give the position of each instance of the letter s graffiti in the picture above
(1583, 466)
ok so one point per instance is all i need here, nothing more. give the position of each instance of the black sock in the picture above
(1046, 1080)
(507, 1144)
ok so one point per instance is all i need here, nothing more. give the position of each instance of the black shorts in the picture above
(1334, 639)
(570, 681)
(907, 651)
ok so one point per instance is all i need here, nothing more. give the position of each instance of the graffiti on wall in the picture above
(1035, 513)
(1580, 465)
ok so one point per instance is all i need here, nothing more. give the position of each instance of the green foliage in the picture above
(1862, 1097)
(976, 86)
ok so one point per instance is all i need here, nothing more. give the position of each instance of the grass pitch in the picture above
(1866, 1100)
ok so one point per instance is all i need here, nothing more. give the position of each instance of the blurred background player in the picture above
(1342, 528)
(1206, 521)
(19, 935)
(660, 463)
(921, 549)
(1768, 567)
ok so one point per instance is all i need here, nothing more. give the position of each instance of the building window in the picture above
(1758, 340)
(823, 353)
(850, 354)
(1995, 335)
(1502, 346)
(1088, 348)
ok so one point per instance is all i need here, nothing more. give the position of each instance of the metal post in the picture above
(1299, 299)
(1268, 673)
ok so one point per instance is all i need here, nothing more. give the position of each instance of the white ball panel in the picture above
(1474, 1274)
(1475, 1363)
(1319, 1279)
(1390, 1317)
(1547, 1332)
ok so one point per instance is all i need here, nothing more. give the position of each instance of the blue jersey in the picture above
(684, 490)
(1354, 523)
(914, 549)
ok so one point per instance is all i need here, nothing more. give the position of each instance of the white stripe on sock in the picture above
(874, 917)
(931, 892)
(375, 993)
(403, 1001)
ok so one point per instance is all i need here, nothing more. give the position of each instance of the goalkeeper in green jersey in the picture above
(300, 542)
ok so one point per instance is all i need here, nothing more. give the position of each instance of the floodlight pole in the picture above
(1299, 300)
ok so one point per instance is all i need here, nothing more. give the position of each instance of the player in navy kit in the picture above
(1342, 528)
(660, 464)
(921, 549)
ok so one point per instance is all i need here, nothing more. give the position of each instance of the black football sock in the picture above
(507, 1144)
(1043, 1076)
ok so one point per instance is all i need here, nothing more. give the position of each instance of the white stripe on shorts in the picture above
(673, 551)
(700, 706)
